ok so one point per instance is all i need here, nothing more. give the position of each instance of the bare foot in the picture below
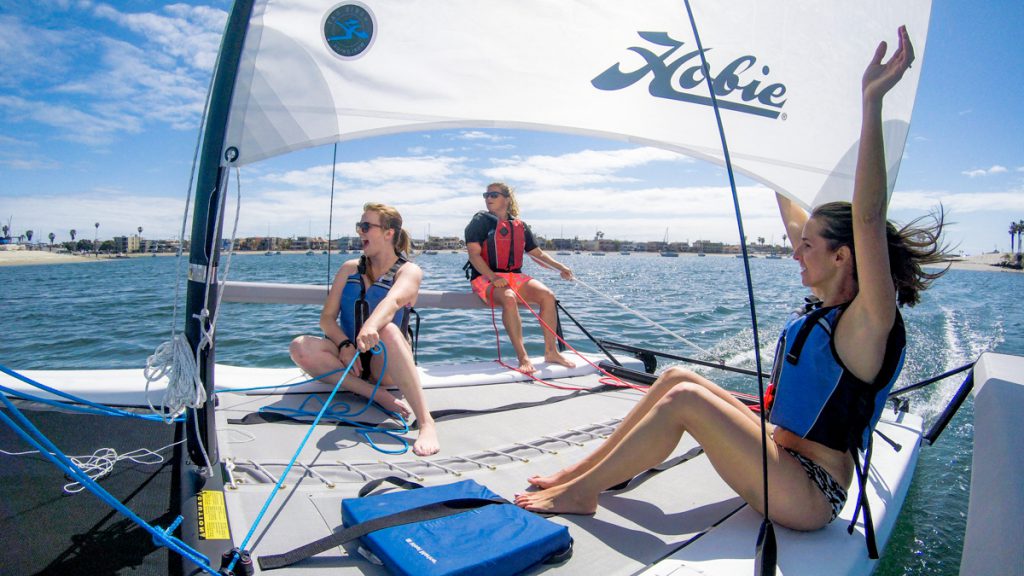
(559, 500)
(525, 366)
(558, 478)
(557, 358)
(426, 443)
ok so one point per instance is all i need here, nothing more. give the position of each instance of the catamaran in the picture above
(255, 478)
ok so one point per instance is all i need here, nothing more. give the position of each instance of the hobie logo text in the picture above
(678, 75)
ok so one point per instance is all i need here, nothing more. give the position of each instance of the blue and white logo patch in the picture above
(349, 30)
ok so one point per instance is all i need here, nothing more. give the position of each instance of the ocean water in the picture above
(113, 314)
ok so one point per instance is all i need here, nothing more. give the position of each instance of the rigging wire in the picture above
(766, 555)
(330, 216)
(24, 428)
(652, 322)
(302, 444)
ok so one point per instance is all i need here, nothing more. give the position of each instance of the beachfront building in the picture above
(127, 244)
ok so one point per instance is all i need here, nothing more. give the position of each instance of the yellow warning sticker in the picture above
(213, 516)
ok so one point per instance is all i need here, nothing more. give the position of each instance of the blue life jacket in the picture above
(358, 302)
(816, 397)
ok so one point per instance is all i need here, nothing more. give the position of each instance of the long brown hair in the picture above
(910, 247)
(513, 206)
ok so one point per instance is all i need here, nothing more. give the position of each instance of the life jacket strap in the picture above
(862, 502)
(805, 330)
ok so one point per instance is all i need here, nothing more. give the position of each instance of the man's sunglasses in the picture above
(364, 227)
(493, 195)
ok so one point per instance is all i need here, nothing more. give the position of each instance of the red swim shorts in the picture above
(482, 287)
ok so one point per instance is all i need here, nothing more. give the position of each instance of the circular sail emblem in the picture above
(349, 29)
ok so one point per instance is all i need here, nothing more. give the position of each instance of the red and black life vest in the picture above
(505, 244)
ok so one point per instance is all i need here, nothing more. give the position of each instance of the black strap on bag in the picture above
(411, 516)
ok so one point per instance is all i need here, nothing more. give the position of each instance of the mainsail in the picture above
(786, 74)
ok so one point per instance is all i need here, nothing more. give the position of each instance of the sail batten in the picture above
(786, 75)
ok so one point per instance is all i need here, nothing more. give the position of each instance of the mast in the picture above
(204, 252)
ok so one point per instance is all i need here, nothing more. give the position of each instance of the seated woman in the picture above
(389, 285)
(496, 240)
(860, 267)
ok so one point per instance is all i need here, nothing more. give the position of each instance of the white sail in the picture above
(787, 76)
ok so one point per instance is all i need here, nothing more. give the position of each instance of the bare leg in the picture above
(730, 438)
(401, 371)
(536, 291)
(668, 379)
(317, 356)
(513, 326)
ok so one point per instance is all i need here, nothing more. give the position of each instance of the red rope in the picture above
(607, 380)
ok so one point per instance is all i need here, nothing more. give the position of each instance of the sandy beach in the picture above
(981, 262)
(36, 257)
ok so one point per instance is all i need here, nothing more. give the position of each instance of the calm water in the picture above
(114, 313)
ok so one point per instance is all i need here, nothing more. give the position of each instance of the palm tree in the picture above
(1020, 231)
(73, 234)
(96, 241)
(140, 238)
(52, 236)
(28, 234)
(1013, 234)
(6, 229)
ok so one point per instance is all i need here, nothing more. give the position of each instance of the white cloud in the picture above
(1005, 202)
(587, 167)
(29, 54)
(480, 135)
(995, 169)
(189, 34)
(91, 83)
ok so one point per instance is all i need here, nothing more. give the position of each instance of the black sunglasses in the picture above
(364, 227)
(490, 194)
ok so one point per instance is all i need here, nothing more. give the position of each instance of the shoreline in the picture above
(979, 263)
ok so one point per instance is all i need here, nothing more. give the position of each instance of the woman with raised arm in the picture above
(826, 405)
(368, 303)
(496, 240)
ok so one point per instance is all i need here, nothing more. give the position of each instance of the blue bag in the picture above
(454, 529)
(490, 535)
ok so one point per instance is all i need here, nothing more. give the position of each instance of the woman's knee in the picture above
(675, 375)
(300, 347)
(686, 397)
(391, 335)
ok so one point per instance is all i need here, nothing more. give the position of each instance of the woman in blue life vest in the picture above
(811, 459)
(389, 286)
(496, 241)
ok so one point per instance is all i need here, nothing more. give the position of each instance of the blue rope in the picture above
(378, 349)
(24, 428)
(98, 409)
(335, 413)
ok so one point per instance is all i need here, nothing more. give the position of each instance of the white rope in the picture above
(175, 360)
(101, 462)
(639, 315)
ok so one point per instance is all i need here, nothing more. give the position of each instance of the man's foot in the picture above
(557, 358)
(564, 499)
(426, 443)
(525, 366)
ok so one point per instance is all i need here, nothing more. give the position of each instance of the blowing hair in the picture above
(513, 206)
(911, 247)
(390, 219)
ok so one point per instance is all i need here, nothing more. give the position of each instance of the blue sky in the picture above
(100, 105)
